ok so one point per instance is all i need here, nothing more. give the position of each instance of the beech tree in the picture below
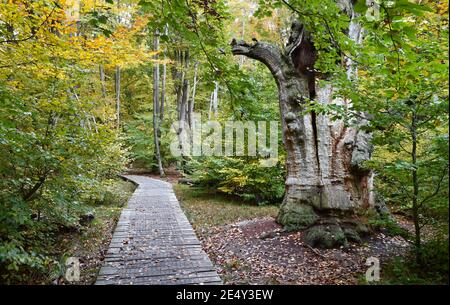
(325, 176)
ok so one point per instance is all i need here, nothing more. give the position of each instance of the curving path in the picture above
(154, 243)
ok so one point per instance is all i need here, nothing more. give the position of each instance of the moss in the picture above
(297, 216)
(361, 228)
(352, 235)
(326, 236)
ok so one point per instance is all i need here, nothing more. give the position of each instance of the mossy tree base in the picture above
(326, 236)
(324, 228)
(297, 216)
(334, 233)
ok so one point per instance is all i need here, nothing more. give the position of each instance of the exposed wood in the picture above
(154, 243)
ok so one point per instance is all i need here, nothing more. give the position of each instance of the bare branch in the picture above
(438, 187)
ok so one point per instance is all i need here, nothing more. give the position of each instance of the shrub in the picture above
(51, 167)
(244, 177)
(433, 270)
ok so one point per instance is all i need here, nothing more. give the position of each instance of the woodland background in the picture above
(79, 106)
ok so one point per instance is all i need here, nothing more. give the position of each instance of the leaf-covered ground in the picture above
(206, 210)
(247, 246)
(257, 252)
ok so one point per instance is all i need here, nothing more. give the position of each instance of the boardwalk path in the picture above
(154, 243)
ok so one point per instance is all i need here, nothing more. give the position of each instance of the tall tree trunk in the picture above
(117, 89)
(213, 101)
(163, 89)
(215, 98)
(192, 99)
(178, 75)
(184, 107)
(102, 80)
(210, 105)
(185, 90)
(181, 87)
(156, 104)
(95, 123)
(324, 178)
(163, 81)
(241, 60)
(117, 79)
(415, 180)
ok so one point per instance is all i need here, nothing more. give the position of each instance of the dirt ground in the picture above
(257, 252)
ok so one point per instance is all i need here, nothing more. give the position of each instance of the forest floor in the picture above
(247, 246)
(243, 241)
(257, 252)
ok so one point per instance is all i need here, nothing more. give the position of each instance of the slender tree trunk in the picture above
(186, 86)
(163, 89)
(325, 180)
(415, 204)
(178, 75)
(213, 101)
(117, 89)
(185, 92)
(163, 82)
(210, 105)
(192, 99)
(184, 101)
(87, 117)
(181, 90)
(216, 98)
(95, 123)
(156, 105)
(102, 80)
(117, 79)
(241, 60)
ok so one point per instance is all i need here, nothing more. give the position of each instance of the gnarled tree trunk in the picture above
(325, 183)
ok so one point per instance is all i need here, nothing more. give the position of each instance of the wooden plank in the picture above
(154, 243)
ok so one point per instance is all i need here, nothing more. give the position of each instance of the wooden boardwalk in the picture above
(154, 243)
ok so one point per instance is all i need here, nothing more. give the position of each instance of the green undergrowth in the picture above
(206, 208)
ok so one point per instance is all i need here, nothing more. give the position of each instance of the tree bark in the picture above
(102, 80)
(163, 90)
(181, 87)
(163, 82)
(415, 180)
(192, 99)
(323, 162)
(241, 60)
(117, 87)
(213, 101)
(117, 82)
(156, 104)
